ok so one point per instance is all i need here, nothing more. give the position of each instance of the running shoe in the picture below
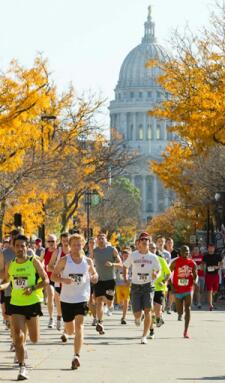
(94, 322)
(179, 317)
(58, 324)
(12, 347)
(64, 338)
(123, 321)
(210, 308)
(158, 322)
(75, 363)
(22, 373)
(110, 311)
(51, 323)
(168, 311)
(186, 335)
(199, 306)
(137, 322)
(144, 340)
(151, 334)
(100, 328)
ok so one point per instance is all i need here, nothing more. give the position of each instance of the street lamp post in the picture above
(87, 202)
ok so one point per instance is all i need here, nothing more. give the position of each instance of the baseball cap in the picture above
(38, 241)
(144, 234)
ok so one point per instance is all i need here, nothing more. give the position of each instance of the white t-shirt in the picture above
(143, 266)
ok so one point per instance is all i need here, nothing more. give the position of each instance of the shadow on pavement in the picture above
(205, 378)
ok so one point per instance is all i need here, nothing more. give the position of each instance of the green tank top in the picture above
(24, 275)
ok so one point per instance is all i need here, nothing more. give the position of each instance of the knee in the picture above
(19, 336)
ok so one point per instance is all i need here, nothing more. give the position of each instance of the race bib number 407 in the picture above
(20, 282)
(183, 282)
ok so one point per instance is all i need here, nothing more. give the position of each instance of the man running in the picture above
(123, 288)
(60, 252)
(6, 256)
(46, 257)
(106, 259)
(198, 257)
(160, 245)
(145, 269)
(213, 262)
(160, 286)
(27, 278)
(184, 278)
(75, 272)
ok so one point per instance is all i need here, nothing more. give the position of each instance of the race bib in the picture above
(77, 278)
(143, 277)
(211, 268)
(183, 282)
(20, 282)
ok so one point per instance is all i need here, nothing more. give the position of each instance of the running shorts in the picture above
(122, 293)
(105, 289)
(71, 310)
(29, 312)
(141, 297)
(212, 282)
(159, 297)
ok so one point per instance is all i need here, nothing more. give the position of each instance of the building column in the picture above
(145, 124)
(144, 193)
(134, 126)
(155, 195)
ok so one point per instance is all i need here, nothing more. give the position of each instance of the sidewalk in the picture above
(118, 355)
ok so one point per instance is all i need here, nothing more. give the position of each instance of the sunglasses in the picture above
(144, 239)
(51, 241)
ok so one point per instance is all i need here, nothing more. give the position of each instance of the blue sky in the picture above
(87, 40)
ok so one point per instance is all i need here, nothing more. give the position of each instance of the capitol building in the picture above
(135, 94)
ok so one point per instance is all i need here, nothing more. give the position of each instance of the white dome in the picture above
(133, 72)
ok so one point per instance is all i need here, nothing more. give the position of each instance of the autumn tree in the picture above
(195, 79)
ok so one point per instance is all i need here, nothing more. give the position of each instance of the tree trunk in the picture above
(2, 215)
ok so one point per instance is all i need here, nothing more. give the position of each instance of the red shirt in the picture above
(47, 257)
(183, 275)
(198, 259)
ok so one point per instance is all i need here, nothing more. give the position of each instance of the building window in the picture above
(140, 94)
(158, 132)
(140, 133)
(119, 96)
(131, 94)
(149, 132)
(149, 94)
(138, 182)
(130, 132)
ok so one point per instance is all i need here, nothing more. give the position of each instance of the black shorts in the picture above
(71, 310)
(7, 305)
(29, 312)
(105, 289)
(51, 283)
(159, 297)
(2, 296)
(58, 289)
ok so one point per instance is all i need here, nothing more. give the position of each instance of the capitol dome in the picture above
(133, 72)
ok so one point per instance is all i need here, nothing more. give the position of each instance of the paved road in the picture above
(118, 355)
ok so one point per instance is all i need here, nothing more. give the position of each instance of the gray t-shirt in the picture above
(8, 255)
(101, 256)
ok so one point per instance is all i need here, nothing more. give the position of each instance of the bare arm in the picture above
(2, 266)
(52, 261)
(42, 274)
(56, 274)
(117, 259)
(92, 271)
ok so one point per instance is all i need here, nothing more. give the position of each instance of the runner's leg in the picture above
(19, 326)
(79, 330)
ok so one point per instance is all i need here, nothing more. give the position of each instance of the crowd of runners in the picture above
(74, 278)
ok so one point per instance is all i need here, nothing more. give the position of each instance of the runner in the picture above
(123, 288)
(39, 249)
(6, 256)
(160, 286)
(46, 257)
(160, 245)
(213, 262)
(60, 252)
(184, 277)
(74, 272)
(23, 274)
(199, 288)
(106, 259)
(145, 269)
